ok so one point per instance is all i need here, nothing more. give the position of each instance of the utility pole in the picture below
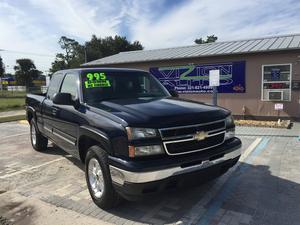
(85, 55)
(1, 87)
(215, 95)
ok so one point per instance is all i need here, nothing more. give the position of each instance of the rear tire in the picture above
(98, 179)
(38, 141)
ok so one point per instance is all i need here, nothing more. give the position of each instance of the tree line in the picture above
(74, 54)
(25, 71)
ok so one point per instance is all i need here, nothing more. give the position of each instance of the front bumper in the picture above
(137, 191)
(120, 176)
(137, 179)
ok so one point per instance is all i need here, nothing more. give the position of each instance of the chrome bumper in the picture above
(120, 176)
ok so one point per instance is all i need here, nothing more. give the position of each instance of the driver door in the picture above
(68, 117)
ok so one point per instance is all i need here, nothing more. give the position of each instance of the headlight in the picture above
(140, 133)
(145, 150)
(229, 121)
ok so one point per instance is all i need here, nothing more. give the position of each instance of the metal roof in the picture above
(267, 44)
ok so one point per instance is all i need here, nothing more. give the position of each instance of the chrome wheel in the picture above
(95, 176)
(33, 135)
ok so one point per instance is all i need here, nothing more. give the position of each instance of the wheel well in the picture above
(29, 116)
(85, 143)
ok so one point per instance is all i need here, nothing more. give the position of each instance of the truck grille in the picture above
(175, 148)
(182, 140)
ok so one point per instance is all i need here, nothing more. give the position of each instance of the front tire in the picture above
(38, 141)
(99, 180)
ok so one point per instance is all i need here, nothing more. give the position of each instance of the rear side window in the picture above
(54, 85)
(69, 85)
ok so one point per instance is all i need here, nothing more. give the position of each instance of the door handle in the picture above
(54, 111)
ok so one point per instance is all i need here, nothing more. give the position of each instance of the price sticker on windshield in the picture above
(95, 80)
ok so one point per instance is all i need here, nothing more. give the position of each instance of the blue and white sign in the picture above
(195, 78)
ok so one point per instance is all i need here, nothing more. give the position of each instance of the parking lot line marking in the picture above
(23, 121)
(190, 215)
(250, 149)
(31, 168)
(230, 184)
(15, 135)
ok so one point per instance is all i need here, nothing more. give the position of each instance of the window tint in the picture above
(70, 85)
(99, 86)
(54, 85)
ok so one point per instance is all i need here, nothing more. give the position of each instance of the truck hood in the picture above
(164, 112)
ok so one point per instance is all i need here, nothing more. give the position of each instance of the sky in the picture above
(35, 26)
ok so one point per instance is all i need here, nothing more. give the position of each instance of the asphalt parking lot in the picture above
(49, 188)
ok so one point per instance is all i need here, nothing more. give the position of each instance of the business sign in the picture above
(8, 81)
(195, 78)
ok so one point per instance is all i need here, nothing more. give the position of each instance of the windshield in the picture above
(104, 85)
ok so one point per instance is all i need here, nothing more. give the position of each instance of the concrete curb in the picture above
(4, 119)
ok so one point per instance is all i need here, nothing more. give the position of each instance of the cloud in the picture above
(19, 33)
(79, 18)
(36, 25)
(231, 19)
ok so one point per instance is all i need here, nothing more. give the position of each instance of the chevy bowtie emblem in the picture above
(200, 135)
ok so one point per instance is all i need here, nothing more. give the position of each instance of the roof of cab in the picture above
(102, 69)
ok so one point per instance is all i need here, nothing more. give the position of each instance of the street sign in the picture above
(278, 106)
(214, 78)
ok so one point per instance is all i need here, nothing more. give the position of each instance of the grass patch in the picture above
(12, 94)
(7, 104)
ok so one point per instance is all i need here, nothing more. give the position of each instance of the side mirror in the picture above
(63, 99)
(173, 93)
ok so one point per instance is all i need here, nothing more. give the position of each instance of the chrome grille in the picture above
(182, 140)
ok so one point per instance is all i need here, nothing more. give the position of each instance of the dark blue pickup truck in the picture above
(135, 137)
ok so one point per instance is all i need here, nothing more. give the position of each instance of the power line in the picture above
(27, 53)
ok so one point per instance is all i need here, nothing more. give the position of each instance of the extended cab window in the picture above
(69, 85)
(101, 85)
(54, 85)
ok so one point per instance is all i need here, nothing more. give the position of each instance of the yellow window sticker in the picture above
(95, 80)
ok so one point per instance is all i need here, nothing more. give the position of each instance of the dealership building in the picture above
(258, 77)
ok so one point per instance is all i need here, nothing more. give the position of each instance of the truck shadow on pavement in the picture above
(55, 150)
(247, 194)
(253, 196)
(52, 149)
